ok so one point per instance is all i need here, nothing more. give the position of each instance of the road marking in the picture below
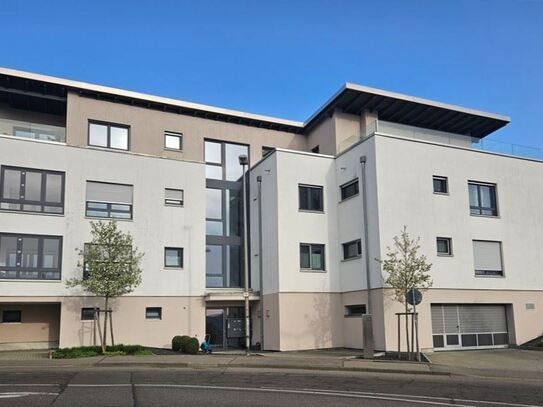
(435, 398)
(12, 395)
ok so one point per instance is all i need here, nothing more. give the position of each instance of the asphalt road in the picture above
(244, 387)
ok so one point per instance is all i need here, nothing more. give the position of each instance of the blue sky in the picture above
(285, 58)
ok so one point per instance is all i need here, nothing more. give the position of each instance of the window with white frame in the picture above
(312, 256)
(173, 141)
(108, 135)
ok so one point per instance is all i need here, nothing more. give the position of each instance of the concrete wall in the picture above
(419, 133)
(39, 326)
(147, 128)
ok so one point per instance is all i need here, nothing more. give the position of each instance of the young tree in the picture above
(406, 270)
(110, 266)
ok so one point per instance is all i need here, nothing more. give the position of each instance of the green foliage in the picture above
(88, 351)
(185, 339)
(405, 267)
(112, 261)
(176, 343)
(192, 346)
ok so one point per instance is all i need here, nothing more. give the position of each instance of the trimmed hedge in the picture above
(192, 346)
(185, 339)
(177, 341)
(88, 351)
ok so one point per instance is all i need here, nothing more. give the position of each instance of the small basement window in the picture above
(87, 314)
(153, 313)
(355, 310)
(11, 316)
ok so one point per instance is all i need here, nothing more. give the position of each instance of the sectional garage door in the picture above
(461, 326)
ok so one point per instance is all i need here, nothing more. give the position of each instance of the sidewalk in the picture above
(505, 363)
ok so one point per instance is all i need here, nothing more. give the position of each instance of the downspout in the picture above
(260, 261)
(366, 232)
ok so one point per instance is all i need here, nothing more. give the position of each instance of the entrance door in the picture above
(226, 327)
(215, 326)
(468, 326)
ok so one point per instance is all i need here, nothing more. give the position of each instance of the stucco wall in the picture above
(147, 128)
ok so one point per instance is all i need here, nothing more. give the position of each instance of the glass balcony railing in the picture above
(34, 131)
(507, 148)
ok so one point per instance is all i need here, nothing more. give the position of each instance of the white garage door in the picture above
(461, 326)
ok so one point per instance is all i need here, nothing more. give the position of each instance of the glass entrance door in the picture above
(225, 327)
(215, 326)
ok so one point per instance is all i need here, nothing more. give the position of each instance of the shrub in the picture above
(185, 339)
(176, 343)
(87, 351)
(192, 346)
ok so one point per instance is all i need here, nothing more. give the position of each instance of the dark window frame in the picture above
(109, 125)
(22, 201)
(442, 179)
(181, 254)
(352, 310)
(479, 209)
(173, 134)
(311, 268)
(151, 309)
(345, 247)
(17, 320)
(449, 252)
(308, 203)
(491, 273)
(40, 270)
(108, 209)
(344, 189)
(91, 310)
(174, 202)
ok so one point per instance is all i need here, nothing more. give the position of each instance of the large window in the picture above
(482, 199)
(349, 189)
(222, 160)
(223, 266)
(312, 257)
(108, 135)
(173, 141)
(173, 257)
(30, 190)
(487, 256)
(31, 257)
(310, 198)
(352, 250)
(101, 255)
(105, 200)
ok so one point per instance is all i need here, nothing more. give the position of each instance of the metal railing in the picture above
(508, 148)
(34, 131)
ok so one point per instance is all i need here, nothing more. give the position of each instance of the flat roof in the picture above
(351, 98)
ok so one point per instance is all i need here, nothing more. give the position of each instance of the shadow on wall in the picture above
(86, 332)
(320, 321)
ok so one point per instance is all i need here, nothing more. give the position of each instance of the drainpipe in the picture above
(366, 232)
(260, 261)
(244, 161)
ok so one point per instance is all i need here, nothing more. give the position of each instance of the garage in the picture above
(469, 326)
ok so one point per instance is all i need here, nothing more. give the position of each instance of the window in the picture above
(352, 250)
(222, 160)
(310, 198)
(312, 256)
(355, 310)
(224, 266)
(444, 246)
(100, 254)
(105, 200)
(11, 316)
(87, 314)
(108, 135)
(482, 199)
(349, 189)
(153, 313)
(487, 258)
(173, 257)
(30, 257)
(29, 190)
(266, 151)
(173, 141)
(173, 197)
(441, 185)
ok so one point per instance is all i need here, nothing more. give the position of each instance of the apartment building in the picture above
(325, 198)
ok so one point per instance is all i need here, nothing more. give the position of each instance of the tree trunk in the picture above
(407, 331)
(105, 325)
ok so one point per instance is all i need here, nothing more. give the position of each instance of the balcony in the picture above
(33, 131)
(516, 150)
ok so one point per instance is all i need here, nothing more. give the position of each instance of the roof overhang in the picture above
(395, 107)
